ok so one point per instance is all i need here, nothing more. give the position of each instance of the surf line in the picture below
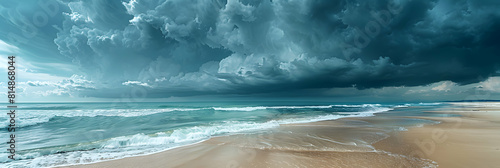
(11, 74)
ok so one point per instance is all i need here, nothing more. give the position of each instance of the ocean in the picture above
(55, 134)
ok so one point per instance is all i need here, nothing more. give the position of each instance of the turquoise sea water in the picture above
(51, 134)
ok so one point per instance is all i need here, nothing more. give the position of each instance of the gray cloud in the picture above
(188, 47)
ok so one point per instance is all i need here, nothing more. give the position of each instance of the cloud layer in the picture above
(188, 47)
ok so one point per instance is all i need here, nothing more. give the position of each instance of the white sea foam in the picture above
(402, 106)
(358, 105)
(268, 107)
(428, 104)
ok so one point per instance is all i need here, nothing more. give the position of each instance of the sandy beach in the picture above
(472, 140)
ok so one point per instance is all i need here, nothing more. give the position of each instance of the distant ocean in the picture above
(49, 134)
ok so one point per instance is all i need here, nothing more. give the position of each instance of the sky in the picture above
(220, 50)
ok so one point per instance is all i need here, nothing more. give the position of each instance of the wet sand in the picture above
(472, 140)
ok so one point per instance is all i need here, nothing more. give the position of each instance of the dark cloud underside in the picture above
(188, 47)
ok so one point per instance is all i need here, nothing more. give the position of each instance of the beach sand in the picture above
(472, 140)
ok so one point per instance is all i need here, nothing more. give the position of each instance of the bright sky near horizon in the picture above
(182, 50)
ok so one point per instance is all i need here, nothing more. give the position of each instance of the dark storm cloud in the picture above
(188, 47)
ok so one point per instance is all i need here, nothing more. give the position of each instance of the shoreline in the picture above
(317, 144)
(211, 138)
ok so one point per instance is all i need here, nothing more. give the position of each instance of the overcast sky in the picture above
(181, 50)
